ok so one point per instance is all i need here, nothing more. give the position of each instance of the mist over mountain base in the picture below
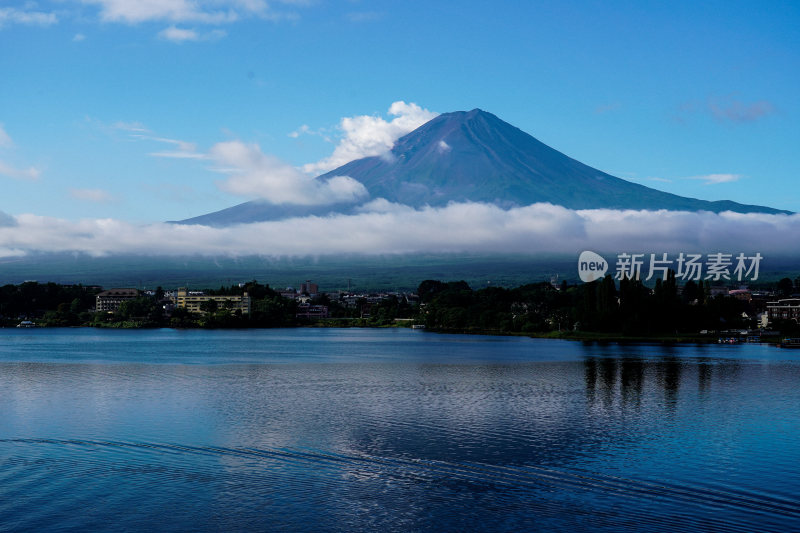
(330, 272)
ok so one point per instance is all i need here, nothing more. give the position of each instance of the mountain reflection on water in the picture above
(331, 430)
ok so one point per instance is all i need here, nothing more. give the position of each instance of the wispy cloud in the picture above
(708, 179)
(368, 135)
(30, 173)
(5, 138)
(306, 130)
(714, 179)
(11, 171)
(607, 108)
(135, 127)
(179, 35)
(214, 12)
(78, 37)
(182, 146)
(12, 15)
(183, 149)
(133, 12)
(179, 154)
(364, 16)
(302, 130)
(385, 228)
(732, 110)
(98, 196)
(725, 109)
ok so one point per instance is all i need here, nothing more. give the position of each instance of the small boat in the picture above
(26, 324)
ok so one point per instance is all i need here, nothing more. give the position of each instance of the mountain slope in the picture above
(475, 156)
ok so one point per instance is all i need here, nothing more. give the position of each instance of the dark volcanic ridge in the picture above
(476, 157)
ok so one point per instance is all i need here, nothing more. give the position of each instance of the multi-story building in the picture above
(312, 311)
(192, 301)
(788, 309)
(309, 288)
(110, 300)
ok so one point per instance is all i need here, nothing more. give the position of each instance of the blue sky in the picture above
(120, 109)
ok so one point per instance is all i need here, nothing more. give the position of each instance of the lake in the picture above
(392, 430)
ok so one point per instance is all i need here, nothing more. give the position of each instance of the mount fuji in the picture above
(473, 156)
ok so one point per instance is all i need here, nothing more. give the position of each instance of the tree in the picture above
(209, 306)
(785, 287)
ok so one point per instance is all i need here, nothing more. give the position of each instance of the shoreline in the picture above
(579, 336)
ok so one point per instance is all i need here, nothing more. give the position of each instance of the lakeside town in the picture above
(601, 309)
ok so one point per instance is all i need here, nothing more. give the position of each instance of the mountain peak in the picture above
(465, 116)
(474, 156)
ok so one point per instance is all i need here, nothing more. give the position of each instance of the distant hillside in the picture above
(332, 273)
(475, 156)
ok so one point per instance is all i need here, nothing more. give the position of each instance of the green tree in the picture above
(785, 287)
(209, 306)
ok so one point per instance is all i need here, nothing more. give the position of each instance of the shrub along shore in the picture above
(604, 310)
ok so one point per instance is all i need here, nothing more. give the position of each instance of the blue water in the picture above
(392, 430)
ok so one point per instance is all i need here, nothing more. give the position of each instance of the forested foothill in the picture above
(607, 307)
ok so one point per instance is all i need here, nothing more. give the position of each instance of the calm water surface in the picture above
(392, 430)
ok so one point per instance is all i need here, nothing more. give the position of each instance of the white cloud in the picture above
(392, 229)
(255, 174)
(713, 179)
(98, 196)
(443, 147)
(10, 15)
(172, 10)
(179, 35)
(178, 154)
(302, 130)
(185, 11)
(30, 173)
(367, 135)
(78, 37)
(5, 138)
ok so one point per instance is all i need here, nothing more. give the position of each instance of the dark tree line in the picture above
(63, 304)
(627, 307)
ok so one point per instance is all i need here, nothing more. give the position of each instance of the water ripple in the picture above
(64, 469)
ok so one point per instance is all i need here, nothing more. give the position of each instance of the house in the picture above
(110, 300)
(312, 311)
(741, 294)
(192, 300)
(788, 309)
